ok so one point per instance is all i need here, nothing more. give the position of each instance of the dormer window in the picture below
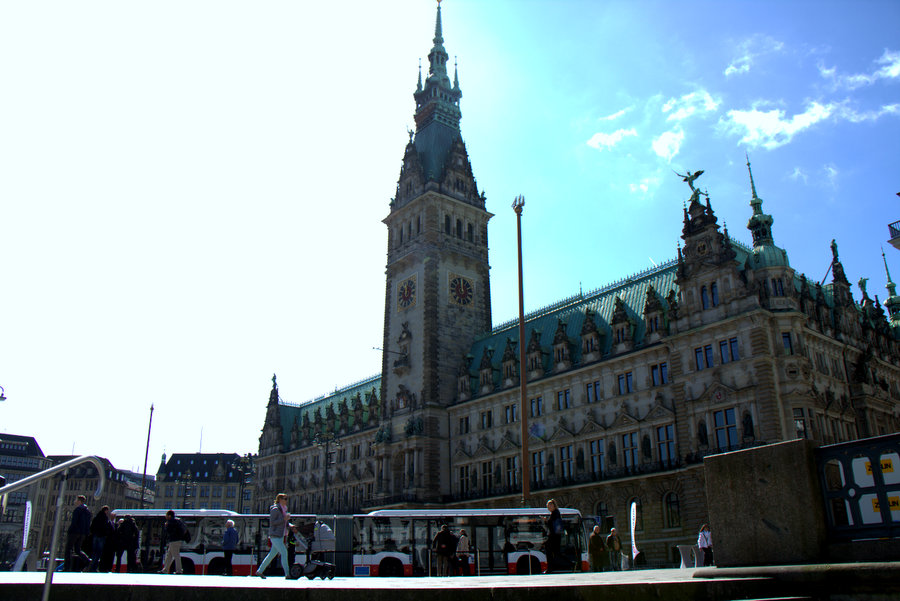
(777, 287)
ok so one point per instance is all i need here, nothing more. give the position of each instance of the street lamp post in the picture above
(184, 479)
(517, 206)
(326, 439)
(245, 467)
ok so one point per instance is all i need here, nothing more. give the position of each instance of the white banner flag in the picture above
(634, 549)
(27, 526)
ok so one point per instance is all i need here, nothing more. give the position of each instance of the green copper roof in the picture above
(572, 311)
(289, 413)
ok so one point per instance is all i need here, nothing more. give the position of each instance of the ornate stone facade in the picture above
(629, 386)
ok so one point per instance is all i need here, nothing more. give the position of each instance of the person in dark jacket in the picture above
(174, 531)
(444, 547)
(127, 542)
(229, 545)
(101, 529)
(555, 528)
(76, 559)
(597, 550)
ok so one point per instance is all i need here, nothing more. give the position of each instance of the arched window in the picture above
(671, 511)
(704, 298)
(446, 224)
(714, 288)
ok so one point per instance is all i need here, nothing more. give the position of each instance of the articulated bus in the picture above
(395, 542)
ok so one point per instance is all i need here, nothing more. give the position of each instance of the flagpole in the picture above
(146, 455)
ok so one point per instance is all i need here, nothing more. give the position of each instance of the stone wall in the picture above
(765, 505)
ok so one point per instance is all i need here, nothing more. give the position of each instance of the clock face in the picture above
(406, 293)
(461, 290)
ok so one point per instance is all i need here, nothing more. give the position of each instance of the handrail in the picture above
(56, 469)
(62, 467)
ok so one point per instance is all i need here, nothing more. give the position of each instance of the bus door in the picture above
(488, 541)
(421, 547)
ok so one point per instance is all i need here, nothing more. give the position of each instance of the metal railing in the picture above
(860, 483)
(62, 468)
(894, 229)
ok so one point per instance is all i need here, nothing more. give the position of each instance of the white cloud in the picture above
(770, 129)
(889, 69)
(689, 104)
(668, 144)
(645, 185)
(615, 115)
(607, 141)
(798, 175)
(845, 112)
(752, 49)
(831, 174)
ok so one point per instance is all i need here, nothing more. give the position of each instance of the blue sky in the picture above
(192, 192)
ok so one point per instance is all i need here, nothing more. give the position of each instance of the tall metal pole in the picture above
(146, 455)
(517, 205)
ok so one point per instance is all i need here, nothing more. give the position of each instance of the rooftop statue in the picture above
(689, 178)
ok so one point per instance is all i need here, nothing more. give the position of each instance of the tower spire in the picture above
(437, 107)
(891, 286)
(892, 302)
(760, 224)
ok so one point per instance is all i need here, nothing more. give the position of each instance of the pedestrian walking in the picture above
(444, 547)
(101, 529)
(175, 533)
(614, 546)
(555, 529)
(76, 559)
(597, 550)
(462, 552)
(704, 541)
(278, 529)
(229, 545)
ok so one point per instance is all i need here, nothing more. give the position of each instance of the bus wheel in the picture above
(390, 567)
(216, 566)
(187, 566)
(522, 566)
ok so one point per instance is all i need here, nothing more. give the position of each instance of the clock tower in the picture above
(437, 293)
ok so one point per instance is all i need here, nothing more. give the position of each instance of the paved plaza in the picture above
(873, 581)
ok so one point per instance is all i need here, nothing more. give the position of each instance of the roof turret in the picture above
(765, 253)
(892, 302)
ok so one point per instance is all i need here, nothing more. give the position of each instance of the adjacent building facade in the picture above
(20, 457)
(726, 346)
(205, 481)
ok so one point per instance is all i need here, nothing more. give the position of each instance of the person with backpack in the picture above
(176, 533)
